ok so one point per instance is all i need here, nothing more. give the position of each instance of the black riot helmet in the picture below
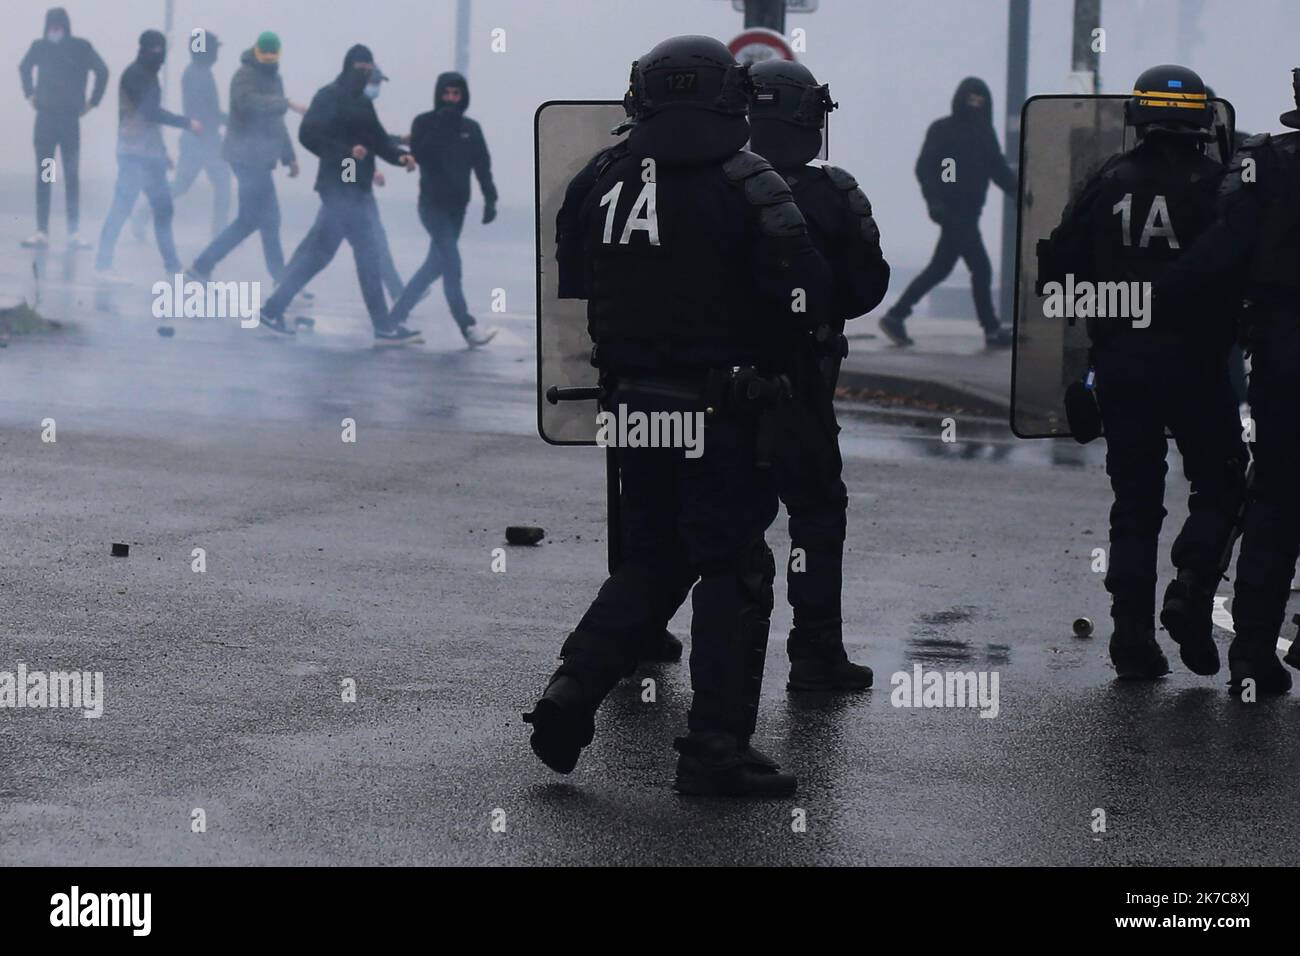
(686, 101)
(1172, 99)
(1291, 118)
(787, 113)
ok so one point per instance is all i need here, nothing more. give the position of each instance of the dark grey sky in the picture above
(891, 64)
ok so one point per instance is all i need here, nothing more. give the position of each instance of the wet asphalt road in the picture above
(371, 561)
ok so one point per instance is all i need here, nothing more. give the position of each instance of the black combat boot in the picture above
(718, 764)
(818, 662)
(1187, 616)
(1253, 658)
(1134, 651)
(564, 719)
(1293, 652)
(716, 760)
(563, 723)
(661, 647)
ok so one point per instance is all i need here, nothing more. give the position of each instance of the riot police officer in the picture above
(1164, 370)
(1253, 249)
(693, 255)
(787, 117)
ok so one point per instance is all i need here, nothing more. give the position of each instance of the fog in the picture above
(892, 66)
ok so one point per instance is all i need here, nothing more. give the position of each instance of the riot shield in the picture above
(566, 135)
(1063, 140)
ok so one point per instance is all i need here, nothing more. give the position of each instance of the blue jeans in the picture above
(259, 211)
(198, 156)
(443, 226)
(342, 216)
(134, 174)
(387, 268)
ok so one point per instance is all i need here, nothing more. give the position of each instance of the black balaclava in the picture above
(57, 17)
(208, 56)
(451, 79)
(973, 84)
(153, 50)
(354, 80)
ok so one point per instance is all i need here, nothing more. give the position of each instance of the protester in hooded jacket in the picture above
(61, 63)
(342, 128)
(142, 159)
(201, 152)
(958, 160)
(257, 140)
(387, 267)
(448, 145)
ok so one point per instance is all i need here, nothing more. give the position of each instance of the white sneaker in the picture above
(476, 337)
(37, 240)
(76, 242)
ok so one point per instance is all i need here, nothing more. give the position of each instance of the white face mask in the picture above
(54, 36)
(372, 91)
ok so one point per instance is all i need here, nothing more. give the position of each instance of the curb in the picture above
(960, 397)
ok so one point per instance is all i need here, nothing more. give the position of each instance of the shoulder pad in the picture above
(783, 220)
(763, 187)
(745, 164)
(609, 156)
(767, 188)
(1112, 167)
(850, 191)
(1287, 143)
(841, 179)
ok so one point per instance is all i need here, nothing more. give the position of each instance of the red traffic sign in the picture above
(758, 44)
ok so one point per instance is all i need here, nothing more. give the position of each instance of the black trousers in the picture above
(1271, 542)
(808, 470)
(685, 519)
(959, 238)
(61, 131)
(1187, 390)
